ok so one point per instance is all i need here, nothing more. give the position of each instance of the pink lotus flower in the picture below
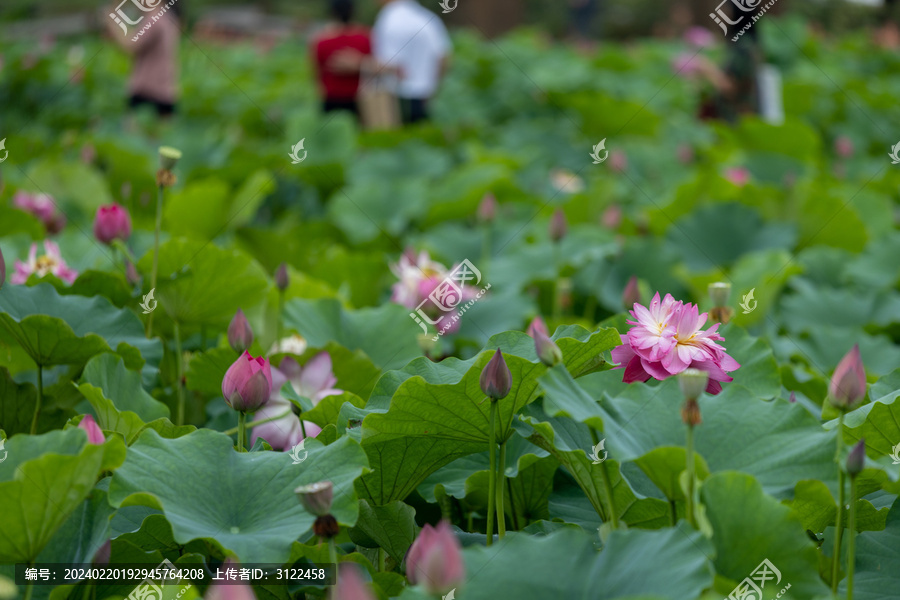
(350, 584)
(848, 383)
(419, 276)
(435, 559)
(315, 381)
(537, 324)
(666, 339)
(43, 207)
(565, 181)
(247, 383)
(699, 37)
(844, 146)
(240, 334)
(739, 176)
(51, 262)
(112, 222)
(94, 433)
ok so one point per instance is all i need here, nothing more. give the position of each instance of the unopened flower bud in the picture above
(856, 460)
(496, 380)
(558, 225)
(93, 431)
(350, 584)
(435, 560)
(546, 349)
(240, 335)
(848, 384)
(247, 384)
(692, 383)
(632, 293)
(537, 324)
(282, 279)
(487, 209)
(316, 497)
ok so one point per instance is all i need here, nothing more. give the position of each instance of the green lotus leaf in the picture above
(69, 330)
(43, 480)
(244, 502)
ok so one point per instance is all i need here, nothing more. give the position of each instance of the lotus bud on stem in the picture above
(168, 157)
(496, 382)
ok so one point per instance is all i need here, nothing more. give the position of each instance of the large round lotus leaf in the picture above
(564, 564)
(243, 501)
(69, 330)
(42, 480)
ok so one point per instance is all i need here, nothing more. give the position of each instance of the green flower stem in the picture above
(851, 539)
(485, 250)
(470, 521)
(37, 406)
(492, 474)
(332, 552)
(607, 485)
(242, 427)
(154, 272)
(501, 491)
(839, 526)
(179, 373)
(689, 506)
(381, 554)
(512, 505)
(279, 326)
(253, 424)
(557, 303)
(302, 426)
(29, 587)
(119, 245)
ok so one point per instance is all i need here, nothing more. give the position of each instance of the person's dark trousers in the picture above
(332, 104)
(413, 110)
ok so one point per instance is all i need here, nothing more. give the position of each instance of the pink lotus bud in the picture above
(739, 176)
(843, 146)
(112, 222)
(496, 380)
(435, 559)
(856, 460)
(537, 324)
(612, 217)
(350, 584)
(793, 398)
(240, 335)
(558, 225)
(848, 384)
(546, 349)
(316, 497)
(247, 383)
(632, 293)
(487, 210)
(618, 160)
(282, 279)
(89, 425)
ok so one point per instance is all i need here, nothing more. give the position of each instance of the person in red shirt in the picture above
(338, 52)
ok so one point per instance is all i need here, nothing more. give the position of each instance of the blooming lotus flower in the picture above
(566, 181)
(314, 381)
(666, 338)
(247, 383)
(435, 559)
(240, 334)
(43, 207)
(51, 262)
(739, 176)
(537, 324)
(699, 37)
(293, 344)
(848, 384)
(94, 433)
(496, 380)
(350, 584)
(112, 222)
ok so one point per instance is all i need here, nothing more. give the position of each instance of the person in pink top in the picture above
(154, 78)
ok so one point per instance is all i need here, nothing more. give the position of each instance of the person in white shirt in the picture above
(411, 43)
